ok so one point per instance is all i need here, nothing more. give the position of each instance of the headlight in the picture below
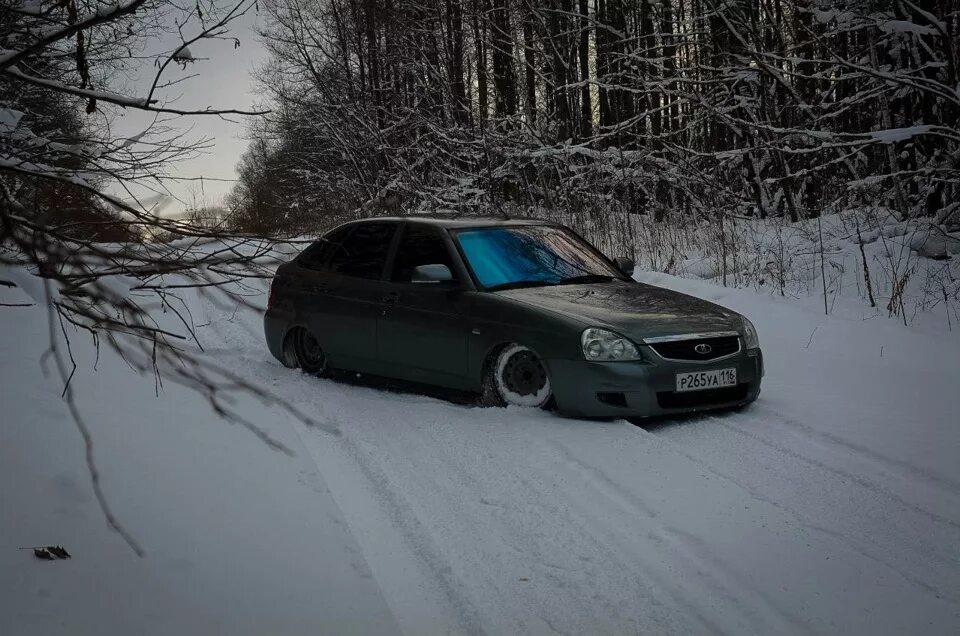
(600, 345)
(750, 339)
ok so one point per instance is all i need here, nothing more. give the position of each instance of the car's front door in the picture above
(422, 336)
(346, 323)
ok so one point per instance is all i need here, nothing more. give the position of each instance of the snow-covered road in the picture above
(832, 505)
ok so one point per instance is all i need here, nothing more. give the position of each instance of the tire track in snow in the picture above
(390, 502)
(863, 482)
(605, 537)
(917, 473)
(535, 498)
(804, 522)
(502, 527)
(417, 538)
(720, 579)
(236, 341)
(878, 554)
(399, 512)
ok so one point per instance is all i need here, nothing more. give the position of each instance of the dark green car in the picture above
(522, 312)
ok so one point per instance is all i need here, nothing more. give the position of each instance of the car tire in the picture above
(302, 350)
(516, 376)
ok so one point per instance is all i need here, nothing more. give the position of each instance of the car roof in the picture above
(456, 222)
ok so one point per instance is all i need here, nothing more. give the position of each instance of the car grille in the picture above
(672, 400)
(687, 349)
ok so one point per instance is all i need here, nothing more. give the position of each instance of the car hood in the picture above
(635, 310)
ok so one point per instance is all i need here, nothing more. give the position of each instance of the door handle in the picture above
(391, 297)
(317, 289)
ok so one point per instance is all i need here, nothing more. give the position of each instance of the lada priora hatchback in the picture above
(523, 312)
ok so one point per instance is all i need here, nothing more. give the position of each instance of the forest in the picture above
(604, 113)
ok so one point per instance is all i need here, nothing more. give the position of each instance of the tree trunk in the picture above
(586, 105)
(504, 78)
(479, 43)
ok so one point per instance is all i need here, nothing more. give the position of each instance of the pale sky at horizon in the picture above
(224, 81)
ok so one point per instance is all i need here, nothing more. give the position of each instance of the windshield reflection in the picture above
(531, 256)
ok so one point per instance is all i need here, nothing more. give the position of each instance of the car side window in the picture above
(315, 257)
(419, 245)
(364, 253)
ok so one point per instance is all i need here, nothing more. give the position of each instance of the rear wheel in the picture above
(303, 350)
(516, 376)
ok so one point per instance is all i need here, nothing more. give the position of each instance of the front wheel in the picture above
(517, 377)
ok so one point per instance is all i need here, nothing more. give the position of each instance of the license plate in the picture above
(701, 380)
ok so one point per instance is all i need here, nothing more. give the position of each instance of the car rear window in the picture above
(315, 257)
(364, 253)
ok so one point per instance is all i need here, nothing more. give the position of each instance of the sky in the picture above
(223, 81)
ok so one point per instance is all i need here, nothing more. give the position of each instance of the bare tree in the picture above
(786, 108)
(59, 62)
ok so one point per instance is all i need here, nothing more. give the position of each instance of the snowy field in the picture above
(832, 505)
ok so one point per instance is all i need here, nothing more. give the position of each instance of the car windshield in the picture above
(531, 256)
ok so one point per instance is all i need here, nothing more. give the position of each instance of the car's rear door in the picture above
(421, 334)
(346, 322)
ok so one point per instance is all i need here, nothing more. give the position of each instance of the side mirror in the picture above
(435, 273)
(625, 265)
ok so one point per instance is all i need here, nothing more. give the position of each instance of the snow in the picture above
(117, 288)
(239, 538)
(935, 244)
(904, 26)
(55, 85)
(894, 135)
(9, 119)
(832, 505)
(183, 54)
(109, 8)
(39, 290)
(767, 254)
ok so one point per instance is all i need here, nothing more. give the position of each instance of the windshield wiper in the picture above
(586, 278)
(519, 284)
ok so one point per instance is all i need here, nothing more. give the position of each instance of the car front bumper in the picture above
(646, 388)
